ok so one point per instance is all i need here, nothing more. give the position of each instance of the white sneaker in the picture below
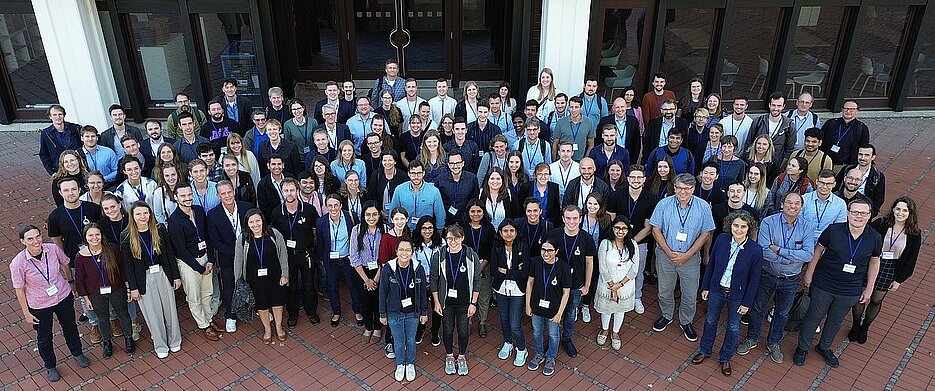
(175, 349)
(400, 372)
(585, 314)
(410, 372)
(231, 326)
(162, 355)
(638, 306)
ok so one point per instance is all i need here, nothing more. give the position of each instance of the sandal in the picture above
(602, 338)
(281, 338)
(267, 340)
(367, 334)
(615, 341)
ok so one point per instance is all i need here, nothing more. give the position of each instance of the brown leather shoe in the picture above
(214, 326)
(116, 329)
(212, 335)
(95, 336)
(725, 368)
(698, 359)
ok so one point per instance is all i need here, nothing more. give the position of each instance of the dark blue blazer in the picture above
(50, 147)
(633, 141)
(323, 229)
(747, 268)
(147, 149)
(221, 233)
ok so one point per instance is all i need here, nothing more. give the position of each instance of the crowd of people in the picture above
(431, 211)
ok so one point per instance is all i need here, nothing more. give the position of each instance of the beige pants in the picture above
(158, 306)
(198, 290)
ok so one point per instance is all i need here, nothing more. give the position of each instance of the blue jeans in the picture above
(404, 327)
(716, 301)
(783, 292)
(568, 323)
(337, 268)
(511, 319)
(540, 325)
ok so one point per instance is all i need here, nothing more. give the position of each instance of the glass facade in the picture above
(922, 83)
(816, 37)
(230, 52)
(621, 46)
(686, 45)
(316, 35)
(870, 71)
(25, 62)
(161, 56)
(748, 58)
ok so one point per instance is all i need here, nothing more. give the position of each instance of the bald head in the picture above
(586, 166)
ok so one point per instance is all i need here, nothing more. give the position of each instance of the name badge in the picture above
(888, 255)
(850, 268)
(681, 236)
(835, 148)
(262, 272)
(453, 293)
(154, 269)
(407, 302)
(105, 290)
(202, 245)
(307, 149)
(290, 243)
(574, 147)
(452, 210)
(480, 153)
(372, 265)
(51, 290)
(544, 303)
(334, 255)
(414, 220)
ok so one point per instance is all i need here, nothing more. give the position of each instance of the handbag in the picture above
(243, 303)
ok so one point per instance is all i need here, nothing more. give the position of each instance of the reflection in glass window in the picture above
(425, 21)
(230, 52)
(160, 56)
(482, 34)
(373, 22)
(316, 36)
(686, 46)
(620, 48)
(816, 35)
(923, 79)
(25, 60)
(748, 58)
(870, 70)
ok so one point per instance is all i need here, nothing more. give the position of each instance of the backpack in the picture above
(797, 312)
(803, 185)
(791, 115)
(522, 146)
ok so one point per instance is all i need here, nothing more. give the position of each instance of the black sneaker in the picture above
(829, 357)
(292, 321)
(745, 319)
(419, 336)
(314, 318)
(570, 348)
(689, 332)
(81, 319)
(436, 339)
(799, 357)
(661, 323)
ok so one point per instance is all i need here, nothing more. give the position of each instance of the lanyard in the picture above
(589, 106)
(894, 240)
(785, 239)
(405, 280)
(573, 245)
(475, 240)
(678, 210)
(97, 262)
(195, 223)
(372, 240)
(415, 200)
(545, 278)
(735, 249)
(149, 250)
(294, 218)
(847, 129)
(494, 207)
(80, 217)
(621, 130)
(455, 270)
(535, 234)
(631, 207)
(619, 249)
(334, 231)
(798, 125)
(235, 221)
(92, 161)
(119, 224)
(260, 250)
(850, 245)
(591, 229)
(535, 148)
(575, 129)
(564, 175)
(733, 131)
(48, 273)
(354, 207)
(819, 216)
(304, 131)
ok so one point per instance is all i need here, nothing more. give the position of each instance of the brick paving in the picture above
(321, 357)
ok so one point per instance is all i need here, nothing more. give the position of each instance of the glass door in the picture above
(414, 32)
(618, 44)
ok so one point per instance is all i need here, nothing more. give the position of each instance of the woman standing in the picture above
(509, 103)
(261, 259)
(353, 195)
(432, 156)
(732, 169)
(246, 159)
(731, 279)
(455, 286)
(325, 181)
(95, 184)
(509, 262)
(545, 191)
(389, 111)
(548, 288)
(446, 128)
(112, 223)
(661, 184)
(544, 93)
(152, 275)
(347, 162)
(756, 192)
(364, 259)
(479, 237)
(692, 100)
(901, 242)
(712, 149)
(762, 151)
(426, 242)
(164, 196)
(713, 104)
(101, 278)
(496, 200)
(596, 222)
(632, 106)
(515, 175)
(168, 156)
(614, 177)
(618, 263)
(244, 188)
(467, 108)
(794, 179)
(70, 165)
(403, 306)
(385, 180)
(499, 146)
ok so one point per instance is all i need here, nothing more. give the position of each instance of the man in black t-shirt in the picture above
(576, 248)
(295, 220)
(533, 227)
(734, 203)
(638, 206)
(547, 290)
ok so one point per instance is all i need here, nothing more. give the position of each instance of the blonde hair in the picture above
(62, 172)
(242, 156)
(133, 234)
(760, 186)
(469, 84)
(768, 156)
(550, 94)
(424, 154)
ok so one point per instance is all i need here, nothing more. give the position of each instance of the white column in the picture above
(564, 41)
(74, 45)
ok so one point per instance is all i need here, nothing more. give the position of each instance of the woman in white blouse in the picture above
(617, 261)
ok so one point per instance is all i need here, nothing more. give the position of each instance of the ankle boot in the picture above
(852, 335)
(131, 346)
(108, 346)
(862, 333)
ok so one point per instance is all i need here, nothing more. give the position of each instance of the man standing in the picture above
(657, 129)
(500, 118)
(56, 138)
(40, 295)
(738, 123)
(803, 118)
(788, 242)
(441, 104)
(257, 135)
(409, 105)
(653, 100)
(361, 124)
(681, 225)
(682, 159)
(608, 151)
(706, 189)
(469, 149)
(822, 207)
(215, 169)
(873, 183)
(456, 186)
(733, 203)
(850, 190)
(184, 104)
(565, 169)
(226, 226)
(131, 148)
(276, 109)
(151, 146)
(847, 254)
(817, 160)
(424, 197)
(219, 127)
(112, 136)
(576, 249)
(553, 117)
(236, 107)
(481, 131)
(268, 191)
(577, 129)
(337, 132)
(187, 145)
(626, 126)
(777, 126)
(579, 188)
(98, 157)
(592, 105)
(205, 192)
(533, 150)
(391, 81)
(296, 220)
(187, 228)
(844, 135)
(333, 98)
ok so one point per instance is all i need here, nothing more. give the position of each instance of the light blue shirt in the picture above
(505, 123)
(796, 244)
(820, 214)
(594, 108)
(359, 129)
(664, 133)
(208, 200)
(532, 155)
(729, 270)
(621, 125)
(340, 170)
(370, 252)
(340, 242)
(103, 159)
(693, 221)
(426, 202)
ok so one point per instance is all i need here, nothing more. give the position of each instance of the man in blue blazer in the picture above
(225, 226)
(336, 131)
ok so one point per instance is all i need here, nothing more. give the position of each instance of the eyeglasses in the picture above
(825, 184)
(860, 213)
(451, 163)
(328, 114)
(621, 228)
(259, 120)
(548, 250)
(428, 228)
